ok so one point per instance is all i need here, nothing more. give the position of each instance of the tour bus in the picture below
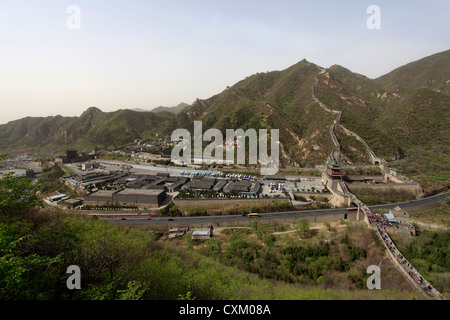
(253, 215)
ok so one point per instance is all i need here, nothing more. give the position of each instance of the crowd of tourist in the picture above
(378, 220)
(380, 225)
(381, 222)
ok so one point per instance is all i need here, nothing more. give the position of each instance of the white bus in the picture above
(253, 215)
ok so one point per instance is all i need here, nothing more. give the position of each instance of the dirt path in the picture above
(315, 226)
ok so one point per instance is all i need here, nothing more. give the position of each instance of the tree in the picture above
(302, 226)
(134, 291)
(17, 195)
(268, 239)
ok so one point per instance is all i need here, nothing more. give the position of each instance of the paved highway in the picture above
(288, 214)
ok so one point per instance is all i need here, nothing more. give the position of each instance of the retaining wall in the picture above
(211, 202)
(412, 188)
(334, 217)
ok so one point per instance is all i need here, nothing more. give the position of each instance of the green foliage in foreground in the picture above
(429, 252)
(38, 245)
(116, 263)
(16, 194)
(317, 263)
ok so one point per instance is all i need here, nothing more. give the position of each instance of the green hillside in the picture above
(430, 72)
(394, 114)
(274, 100)
(129, 263)
(401, 112)
(92, 128)
(402, 115)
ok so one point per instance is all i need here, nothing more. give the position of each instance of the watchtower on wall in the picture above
(334, 170)
(332, 175)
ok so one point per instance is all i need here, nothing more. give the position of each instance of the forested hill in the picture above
(93, 128)
(402, 111)
(400, 114)
(273, 100)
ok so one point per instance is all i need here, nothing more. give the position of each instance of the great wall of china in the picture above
(343, 196)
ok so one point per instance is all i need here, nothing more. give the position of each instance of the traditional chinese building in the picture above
(334, 170)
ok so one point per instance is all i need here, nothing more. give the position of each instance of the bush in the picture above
(300, 198)
(340, 265)
(355, 253)
(345, 239)
(171, 210)
(302, 226)
(370, 197)
(17, 195)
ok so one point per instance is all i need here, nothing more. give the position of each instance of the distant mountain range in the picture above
(395, 114)
(175, 110)
(94, 128)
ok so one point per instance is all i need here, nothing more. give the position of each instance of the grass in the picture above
(66, 170)
(374, 197)
(429, 167)
(352, 148)
(217, 281)
(429, 252)
(437, 216)
(369, 171)
(302, 172)
(243, 208)
(260, 254)
(50, 181)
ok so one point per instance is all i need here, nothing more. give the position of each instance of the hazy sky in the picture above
(143, 54)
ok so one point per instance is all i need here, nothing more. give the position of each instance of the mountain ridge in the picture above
(93, 128)
(175, 109)
(392, 119)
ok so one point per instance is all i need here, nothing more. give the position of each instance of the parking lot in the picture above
(217, 175)
(300, 184)
(271, 188)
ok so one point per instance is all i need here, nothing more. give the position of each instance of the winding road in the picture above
(289, 214)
